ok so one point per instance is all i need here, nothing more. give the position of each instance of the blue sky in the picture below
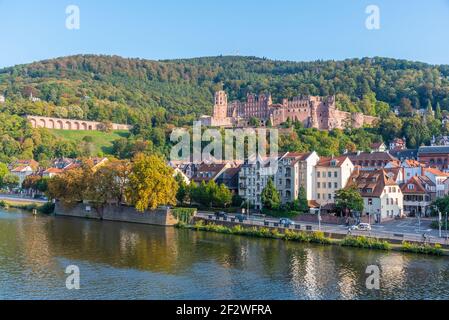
(299, 30)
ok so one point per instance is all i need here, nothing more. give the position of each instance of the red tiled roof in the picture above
(326, 161)
(19, 169)
(207, 172)
(417, 186)
(370, 156)
(54, 170)
(436, 172)
(377, 145)
(375, 180)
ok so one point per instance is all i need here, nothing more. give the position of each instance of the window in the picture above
(329, 196)
(318, 174)
(319, 196)
(318, 185)
(329, 185)
(336, 174)
(336, 185)
(329, 174)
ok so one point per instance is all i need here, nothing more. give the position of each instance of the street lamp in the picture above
(370, 202)
(319, 218)
(419, 217)
(439, 221)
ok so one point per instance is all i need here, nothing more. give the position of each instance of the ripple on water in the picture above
(128, 261)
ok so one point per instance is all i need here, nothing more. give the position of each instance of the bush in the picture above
(422, 248)
(3, 204)
(436, 225)
(183, 215)
(47, 208)
(364, 242)
(313, 237)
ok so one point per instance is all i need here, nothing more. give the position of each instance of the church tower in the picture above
(221, 105)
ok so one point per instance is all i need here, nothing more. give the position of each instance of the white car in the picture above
(361, 227)
(364, 227)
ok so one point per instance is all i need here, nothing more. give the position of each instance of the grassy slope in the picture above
(101, 140)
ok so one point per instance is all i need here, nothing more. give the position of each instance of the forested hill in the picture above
(155, 95)
(177, 91)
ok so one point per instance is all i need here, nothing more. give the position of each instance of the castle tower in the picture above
(221, 105)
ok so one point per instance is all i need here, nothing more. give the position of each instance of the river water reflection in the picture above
(130, 261)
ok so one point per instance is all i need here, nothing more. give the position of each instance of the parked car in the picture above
(286, 222)
(241, 217)
(361, 227)
(221, 214)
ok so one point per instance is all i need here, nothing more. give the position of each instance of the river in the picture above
(130, 261)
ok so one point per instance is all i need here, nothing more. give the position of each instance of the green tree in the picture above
(151, 183)
(3, 171)
(10, 181)
(438, 113)
(222, 196)
(303, 204)
(270, 196)
(254, 122)
(348, 200)
(182, 195)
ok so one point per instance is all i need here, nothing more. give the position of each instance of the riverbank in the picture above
(317, 237)
(46, 207)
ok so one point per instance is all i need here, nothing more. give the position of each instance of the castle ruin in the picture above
(312, 111)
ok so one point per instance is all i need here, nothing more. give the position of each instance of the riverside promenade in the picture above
(384, 232)
(20, 198)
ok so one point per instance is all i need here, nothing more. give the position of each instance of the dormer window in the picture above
(411, 187)
(334, 163)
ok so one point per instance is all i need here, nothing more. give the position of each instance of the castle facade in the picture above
(313, 112)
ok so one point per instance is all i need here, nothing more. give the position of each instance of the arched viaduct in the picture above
(70, 124)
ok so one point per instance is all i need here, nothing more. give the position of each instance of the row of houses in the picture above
(24, 168)
(390, 187)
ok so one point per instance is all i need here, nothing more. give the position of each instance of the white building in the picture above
(22, 172)
(295, 170)
(253, 178)
(438, 178)
(382, 196)
(331, 175)
(2, 99)
(410, 168)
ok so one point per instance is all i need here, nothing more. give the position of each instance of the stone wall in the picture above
(160, 217)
